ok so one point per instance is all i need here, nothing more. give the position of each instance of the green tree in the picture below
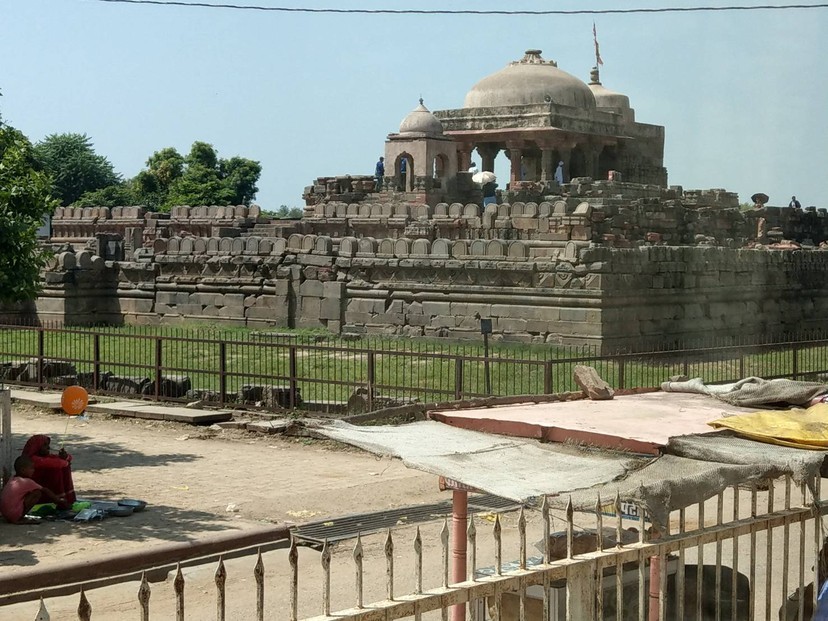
(74, 166)
(200, 178)
(25, 199)
(121, 194)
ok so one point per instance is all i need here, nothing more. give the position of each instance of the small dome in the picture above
(605, 98)
(531, 80)
(421, 121)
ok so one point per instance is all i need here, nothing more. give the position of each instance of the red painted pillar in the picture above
(459, 516)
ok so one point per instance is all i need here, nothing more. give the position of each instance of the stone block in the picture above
(436, 308)
(313, 288)
(591, 383)
(331, 308)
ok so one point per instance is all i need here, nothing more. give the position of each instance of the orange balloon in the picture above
(74, 400)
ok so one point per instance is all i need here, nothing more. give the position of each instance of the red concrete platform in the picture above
(639, 423)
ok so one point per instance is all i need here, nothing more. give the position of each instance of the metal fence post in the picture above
(40, 354)
(96, 361)
(158, 352)
(795, 363)
(622, 372)
(293, 382)
(372, 378)
(222, 372)
(547, 377)
(458, 378)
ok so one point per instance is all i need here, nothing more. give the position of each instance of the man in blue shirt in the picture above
(379, 173)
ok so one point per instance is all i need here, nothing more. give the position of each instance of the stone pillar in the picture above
(464, 158)
(547, 164)
(488, 153)
(515, 158)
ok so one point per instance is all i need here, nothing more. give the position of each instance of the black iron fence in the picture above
(320, 371)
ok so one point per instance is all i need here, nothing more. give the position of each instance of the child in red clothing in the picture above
(21, 493)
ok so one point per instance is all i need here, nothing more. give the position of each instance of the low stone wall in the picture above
(534, 291)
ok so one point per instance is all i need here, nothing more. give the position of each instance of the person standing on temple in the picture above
(559, 172)
(489, 193)
(794, 204)
(379, 173)
(403, 171)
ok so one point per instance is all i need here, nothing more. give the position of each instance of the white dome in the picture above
(421, 121)
(531, 80)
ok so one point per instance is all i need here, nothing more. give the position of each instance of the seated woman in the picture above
(51, 470)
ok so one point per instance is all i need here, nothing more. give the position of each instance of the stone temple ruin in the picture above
(613, 256)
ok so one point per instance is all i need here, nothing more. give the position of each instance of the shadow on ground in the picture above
(156, 523)
(92, 455)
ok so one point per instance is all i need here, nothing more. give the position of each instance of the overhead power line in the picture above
(286, 9)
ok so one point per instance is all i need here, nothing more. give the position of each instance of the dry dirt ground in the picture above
(189, 476)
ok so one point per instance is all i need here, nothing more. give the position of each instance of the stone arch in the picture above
(226, 245)
(67, 261)
(478, 248)
(560, 208)
(237, 249)
(421, 248)
(386, 247)
(173, 245)
(440, 248)
(159, 246)
(455, 210)
(402, 247)
(308, 243)
(266, 247)
(530, 210)
(294, 242)
(421, 212)
(213, 245)
(544, 209)
(279, 246)
(495, 248)
(517, 209)
(105, 213)
(441, 209)
(367, 245)
(439, 169)
(364, 211)
(347, 247)
(199, 245)
(471, 211)
(352, 211)
(117, 212)
(341, 210)
(404, 172)
(323, 245)
(252, 246)
(376, 210)
(517, 250)
(459, 248)
(401, 210)
(240, 211)
(504, 210)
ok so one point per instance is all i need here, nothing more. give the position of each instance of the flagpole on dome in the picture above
(598, 60)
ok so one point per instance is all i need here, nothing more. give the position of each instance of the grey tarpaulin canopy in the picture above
(524, 470)
(514, 468)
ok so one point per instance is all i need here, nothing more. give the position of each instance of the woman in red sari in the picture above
(51, 470)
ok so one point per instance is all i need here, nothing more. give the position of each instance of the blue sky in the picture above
(742, 94)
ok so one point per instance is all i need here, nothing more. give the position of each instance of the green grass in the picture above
(329, 368)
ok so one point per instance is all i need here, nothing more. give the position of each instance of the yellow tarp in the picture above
(805, 429)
